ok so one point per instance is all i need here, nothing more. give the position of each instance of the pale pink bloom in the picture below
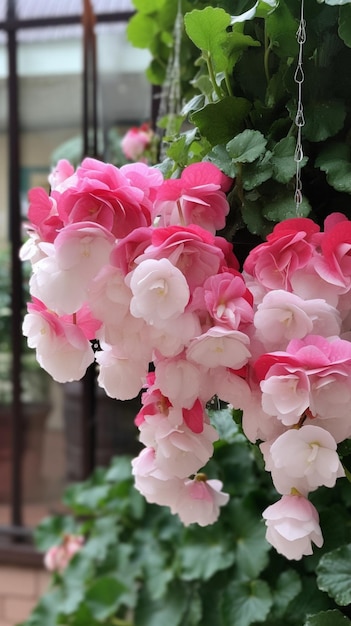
(285, 395)
(194, 198)
(109, 297)
(307, 284)
(131, 336)
(171, 340)
(330, 394)
(258, 425)
(155, 485)
(30, 249)
(179, 380)
(288, 248)
(193, 250)
(136, 140)
(304, 459)
(292, 525)
(199, 501)
(160, 292)
(333, 265)
(220, 347)
(62, 279)
(61, 175)
(231, 387)
(120, 376)
(282, 316)
(179, 451)
(58, 557)
(62, 348)
(338, 427)
(126, 250)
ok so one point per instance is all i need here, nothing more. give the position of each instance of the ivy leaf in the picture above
(245, 603)
(345, 24)
(252, 215)
(251, 547)
(284, 165)
(283, 206)
(287, 588)
(220, 157)
(52, 529)
(247, 146)
(119, 470)
(220, 121)
(335, 2)
(327, 618)
(207, 28)
(258, 172)
(167, 610)
(200, 557)
(102, 597)
(334, 574)
(335, 162)
(281, 31)
(141, 30)
(226, 427)
(324, 119)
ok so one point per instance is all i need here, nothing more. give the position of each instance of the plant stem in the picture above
(229, 87)
(267, 49)
(212, 76)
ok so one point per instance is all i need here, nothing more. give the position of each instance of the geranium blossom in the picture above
(292, 525)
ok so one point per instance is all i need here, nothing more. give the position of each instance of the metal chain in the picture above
(299, 78)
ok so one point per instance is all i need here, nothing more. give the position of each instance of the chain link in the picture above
(299, 78)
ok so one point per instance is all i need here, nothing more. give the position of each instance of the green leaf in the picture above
(167, 611)
(323, 119)
(258, 172)
(281, 29)
(345, 24)
(119, 470)
(223, 422)
(245, 603)
(327, 618)
(335, 161)
(52, 529)
(287, 588)
(283, 206)
(207, 29)
(103, 535)
(157, 574)
(201, 556)
(46, 611)
(220, 121)
(247, 146)
(102, 597)
(251, 547)
(148, 6)
(252, 214)
(334, 574)
(220, 157)
(141, 30)
(284, 165)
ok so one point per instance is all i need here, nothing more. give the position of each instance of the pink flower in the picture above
(61, 174)
(227, 299)
(104, 195)
(220, 347)
(58, 557)
(120, 375)
(199, 501)
(304, 459)
(292, 525)
(191, 249)
(43, 215)
(62, 348)
(160, 292)
(155, 485)
(136, 140)
(289, 248)
(62, 278)
(195, 198)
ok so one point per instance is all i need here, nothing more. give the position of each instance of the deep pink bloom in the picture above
(197, 197)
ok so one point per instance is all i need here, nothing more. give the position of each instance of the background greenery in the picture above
(140, 566)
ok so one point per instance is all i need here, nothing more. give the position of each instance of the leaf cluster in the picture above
(238, 87)
(140, 567)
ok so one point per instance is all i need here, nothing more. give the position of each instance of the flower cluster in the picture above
(58, 556)
(140, 144)
(122, 256)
